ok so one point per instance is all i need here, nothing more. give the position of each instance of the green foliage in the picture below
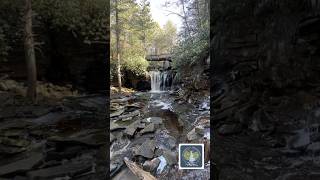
(4, 48)
(194, 38)
(11, 28)
(165, 38)
(137, 65)
(136, 33)
(86, 18)
(189, 50)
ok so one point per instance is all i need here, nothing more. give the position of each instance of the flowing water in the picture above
(160, 80)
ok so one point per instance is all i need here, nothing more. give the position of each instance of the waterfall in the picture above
(155, 81)
(160, 80)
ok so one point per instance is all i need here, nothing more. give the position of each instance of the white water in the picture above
(155, 81)
(160, 81)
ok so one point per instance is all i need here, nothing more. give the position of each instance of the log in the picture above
(136, 170)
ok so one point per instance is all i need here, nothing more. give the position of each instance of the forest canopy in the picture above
(87, 20)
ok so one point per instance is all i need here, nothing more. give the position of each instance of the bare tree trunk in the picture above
(185, 16)
(30, 54)
(118, 47)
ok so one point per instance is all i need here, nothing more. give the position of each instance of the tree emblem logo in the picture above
(191, 156)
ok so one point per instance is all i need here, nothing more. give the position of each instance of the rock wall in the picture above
(265, 84)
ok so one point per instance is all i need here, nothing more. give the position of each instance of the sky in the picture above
(161, 16)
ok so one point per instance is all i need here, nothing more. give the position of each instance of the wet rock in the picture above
(151, 165)
(155, 120)
(229, 129)
(71, 169)
(22, 165)
(171, 157)
(164, 140)
(148, 129)
(193, 135)
(146, 149)
(162, 165)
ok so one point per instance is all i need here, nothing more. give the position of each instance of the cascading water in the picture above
(155, 81)
(160, 80)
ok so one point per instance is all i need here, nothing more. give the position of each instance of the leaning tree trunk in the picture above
(118, 47)
(30, 53)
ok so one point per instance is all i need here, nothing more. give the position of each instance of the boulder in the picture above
(151, 165)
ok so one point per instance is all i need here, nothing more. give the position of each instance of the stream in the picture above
(151, 137)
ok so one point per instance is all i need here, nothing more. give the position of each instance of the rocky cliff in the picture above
(265, 88)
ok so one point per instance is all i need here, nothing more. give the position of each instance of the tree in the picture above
(165, 38)
(118, 46)
(30, 53)
(134, 28)
(145, 24)
(192, 46)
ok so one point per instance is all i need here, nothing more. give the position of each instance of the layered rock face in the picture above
(265, 88)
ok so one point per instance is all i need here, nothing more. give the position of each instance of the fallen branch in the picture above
(136, 170)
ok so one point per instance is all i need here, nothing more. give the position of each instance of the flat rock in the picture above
(22, 165)
(71, 169)
(4, 149)
(132, 128)
(118, 112)
(130, 115)
(115, 126)
(87, 137)
(155, 120)
(148, 129)
(50, 118)
(147, 149)
(14, 142)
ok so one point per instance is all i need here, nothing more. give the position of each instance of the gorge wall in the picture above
(265, 87)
